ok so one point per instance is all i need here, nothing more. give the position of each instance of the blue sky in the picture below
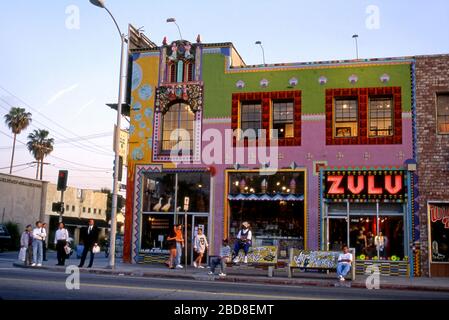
(65, 76)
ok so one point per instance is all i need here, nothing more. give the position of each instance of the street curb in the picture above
(238, 279)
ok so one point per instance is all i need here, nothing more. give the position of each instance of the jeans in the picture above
(214, 262)
(178, 253)
(38, 254)
(241, 245)
(343, 269)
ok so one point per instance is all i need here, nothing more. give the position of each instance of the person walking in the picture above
(26, 244)
(38, 241)
(200, 246)
(179, 246)
(61, 240)
(90, 239)
(171, 241)
(244, 241)
(44, 242)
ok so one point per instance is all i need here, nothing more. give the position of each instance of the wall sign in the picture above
(382, 185)
(439, 213)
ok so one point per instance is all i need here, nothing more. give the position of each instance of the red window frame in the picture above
(363, 95)
(266, 99)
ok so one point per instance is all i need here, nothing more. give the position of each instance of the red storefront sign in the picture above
(364, 185)
(439, 213)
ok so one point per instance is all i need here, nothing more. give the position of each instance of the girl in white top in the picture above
(200, 246)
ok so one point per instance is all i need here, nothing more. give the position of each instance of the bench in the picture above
(316, 260)
(259, 257)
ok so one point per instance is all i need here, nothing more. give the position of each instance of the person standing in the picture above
(179, 246)
(61, 239)
(38, 240)
(90, 239)
(26, 243)
(44, 242)
(200, 246)
(171, 241)
(244, 241)
(344, 263)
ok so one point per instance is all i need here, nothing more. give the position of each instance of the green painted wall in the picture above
(219, 87)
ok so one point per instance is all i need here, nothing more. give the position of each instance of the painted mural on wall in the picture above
(313, 259)
(267, 254)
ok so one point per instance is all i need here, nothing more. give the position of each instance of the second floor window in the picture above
(251, 117)
(380, 117)
(283, 115)
(346, 118)
(443, 113)
(177, 128)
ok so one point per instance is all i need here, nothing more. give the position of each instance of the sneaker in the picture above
(179, 266)
(33, 264)
(210, 273)
(200, 267)
(342, 278)
(236, 260)
(195, 264)
(222, 274)
(245, 260)
(39, 264)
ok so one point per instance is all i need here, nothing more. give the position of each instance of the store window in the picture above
(177, 130)
(443, 113)
(155, 229)
(159, 192)
(272, 204)
(346, 118)
(380, 117)
(439, 232)
(251, 117)
(195, 186)
(283, 116)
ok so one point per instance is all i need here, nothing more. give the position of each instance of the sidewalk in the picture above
(247, 275)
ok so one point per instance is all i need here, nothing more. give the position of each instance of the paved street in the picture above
(18, 283)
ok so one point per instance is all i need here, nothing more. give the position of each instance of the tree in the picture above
(40, 146)
(120, 203)
(17, 120)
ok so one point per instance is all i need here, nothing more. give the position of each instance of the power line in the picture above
(98, 150)
(43, 115)
(68, 161)
(17, 165)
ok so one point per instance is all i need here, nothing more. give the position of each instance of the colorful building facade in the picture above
(340, 170)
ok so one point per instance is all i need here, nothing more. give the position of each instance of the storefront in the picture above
(438, 213)
(163, 195)
(274, 203)
(368, 209)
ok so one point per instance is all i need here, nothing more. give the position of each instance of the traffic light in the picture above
(62, 180)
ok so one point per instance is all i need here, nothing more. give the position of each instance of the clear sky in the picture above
(63, 67)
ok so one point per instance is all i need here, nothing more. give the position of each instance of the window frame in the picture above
(391, 98)
(274, 102)
(252, 104)
(437, 94)
(334, 114)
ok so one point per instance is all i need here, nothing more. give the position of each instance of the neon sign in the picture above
(365, 185)
(440, 213)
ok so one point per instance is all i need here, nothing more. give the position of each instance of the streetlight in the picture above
(263, 51)
(173, 20)
(111, 264)
(356, 36)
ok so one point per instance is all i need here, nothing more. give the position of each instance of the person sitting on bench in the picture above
(244, 238)
(344, 263)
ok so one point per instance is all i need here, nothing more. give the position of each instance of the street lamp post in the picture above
(356, 36)
(111, 264)
(263, 51)
(173, 20)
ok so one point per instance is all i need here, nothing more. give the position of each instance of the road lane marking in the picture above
(233, 294)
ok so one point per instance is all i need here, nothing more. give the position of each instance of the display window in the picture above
(272, 204)
(439, 232)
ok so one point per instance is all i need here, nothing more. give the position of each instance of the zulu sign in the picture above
(365, 185)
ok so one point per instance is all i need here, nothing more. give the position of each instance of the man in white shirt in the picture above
(61, 239)
(344, 263)
(38, 244)
(244, 241)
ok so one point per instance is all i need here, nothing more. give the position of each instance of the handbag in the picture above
(96, 249)
(22, 254)
(67, 250)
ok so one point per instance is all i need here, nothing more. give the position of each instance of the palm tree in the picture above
(40, 146)
(17, 120)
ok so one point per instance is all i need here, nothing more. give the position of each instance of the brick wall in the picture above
(432, 76)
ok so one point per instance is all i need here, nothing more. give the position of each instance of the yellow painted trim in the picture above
(226, 215)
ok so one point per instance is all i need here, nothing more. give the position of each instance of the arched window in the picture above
(177, 128)
(188, 74)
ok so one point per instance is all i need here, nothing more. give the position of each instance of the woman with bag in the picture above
(26, 246)
(61, 239)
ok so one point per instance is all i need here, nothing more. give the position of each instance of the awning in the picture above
(265, 197)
